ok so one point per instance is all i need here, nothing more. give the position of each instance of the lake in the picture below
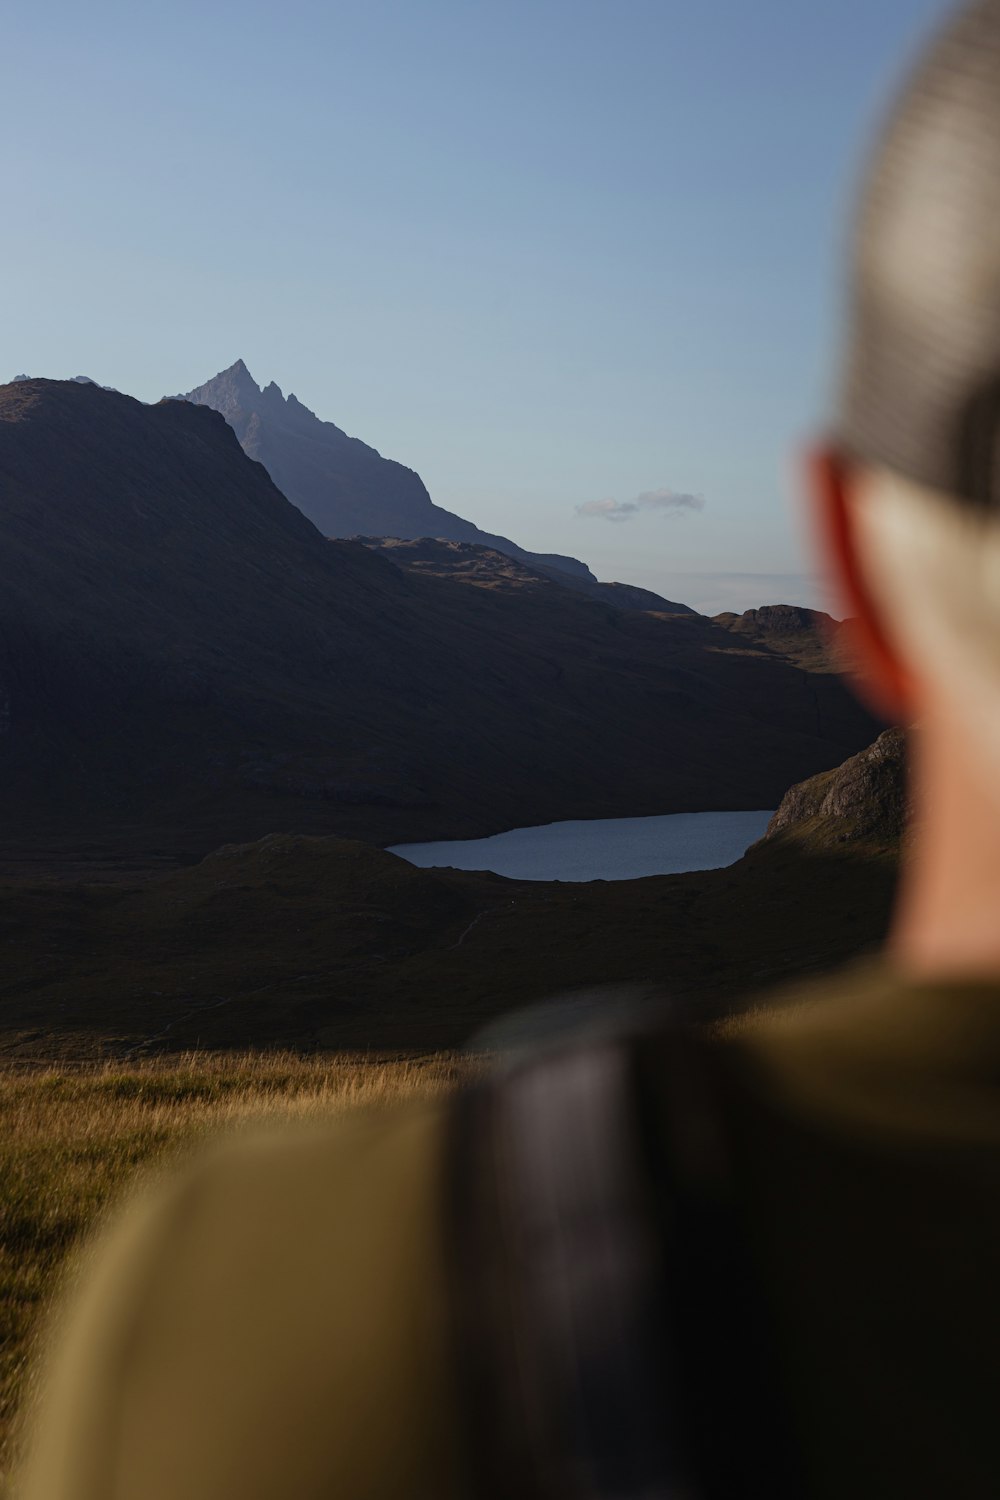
(601, 848)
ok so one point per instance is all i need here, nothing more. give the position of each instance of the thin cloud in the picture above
(667, 502)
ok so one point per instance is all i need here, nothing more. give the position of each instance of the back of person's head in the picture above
(915, 454)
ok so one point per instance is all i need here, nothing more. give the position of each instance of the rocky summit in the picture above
(345, 487)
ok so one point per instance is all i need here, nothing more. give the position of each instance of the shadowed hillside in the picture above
(184, 660)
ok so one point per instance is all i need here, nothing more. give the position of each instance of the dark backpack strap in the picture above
(732, 1402)
(600, 1278)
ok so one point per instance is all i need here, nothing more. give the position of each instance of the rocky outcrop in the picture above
(807, 636)
(863, 801)
(775, 619)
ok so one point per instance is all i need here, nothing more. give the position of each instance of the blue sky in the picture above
(548, 254)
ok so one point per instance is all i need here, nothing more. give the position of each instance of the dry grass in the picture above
(73, 1139)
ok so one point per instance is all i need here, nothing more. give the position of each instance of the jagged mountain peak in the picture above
(237, 371)
(233, 392)
(343, 485)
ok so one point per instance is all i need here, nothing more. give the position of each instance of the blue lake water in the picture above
(601, 848)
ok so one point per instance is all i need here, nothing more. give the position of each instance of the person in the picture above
(650, 1265)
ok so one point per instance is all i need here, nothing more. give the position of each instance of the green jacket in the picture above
(275, 1321)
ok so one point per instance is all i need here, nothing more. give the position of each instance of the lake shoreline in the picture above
(583, 850)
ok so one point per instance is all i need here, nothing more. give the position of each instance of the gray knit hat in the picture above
(921, 387)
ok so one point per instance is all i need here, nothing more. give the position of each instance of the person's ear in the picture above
(879, 673)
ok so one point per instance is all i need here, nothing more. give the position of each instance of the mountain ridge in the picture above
(183, 655)
(344, 485)
(487, 567)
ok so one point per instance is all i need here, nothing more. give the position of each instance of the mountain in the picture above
(345, 487)
(185, 660)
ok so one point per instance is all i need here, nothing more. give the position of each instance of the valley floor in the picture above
(323, 944)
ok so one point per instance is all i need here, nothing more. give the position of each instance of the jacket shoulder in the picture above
(272, 1319)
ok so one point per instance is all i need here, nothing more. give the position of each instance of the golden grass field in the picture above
(74, 1139)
